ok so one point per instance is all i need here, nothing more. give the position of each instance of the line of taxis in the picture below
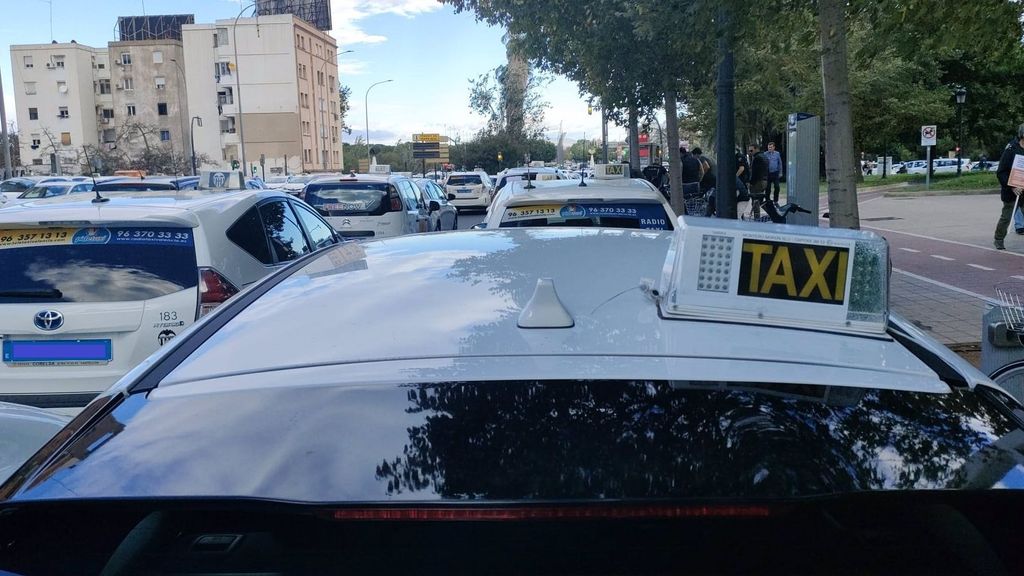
(605, 388)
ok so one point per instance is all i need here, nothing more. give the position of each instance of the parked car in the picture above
(729, 397)
(369, 205)
(13, 187)
(51, 190)
(443, 215)
(470, 189)
(24, 431)
(92, 287)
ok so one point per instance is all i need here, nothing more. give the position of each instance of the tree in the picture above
(496, 97)
(581, 150)
(344, 103)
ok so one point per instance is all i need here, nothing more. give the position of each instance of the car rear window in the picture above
(649, 216)
(464, 180)
(12, 186)
(113, 264)
(134, 186)
(349, 198)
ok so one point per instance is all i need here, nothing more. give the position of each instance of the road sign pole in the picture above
(928, 167)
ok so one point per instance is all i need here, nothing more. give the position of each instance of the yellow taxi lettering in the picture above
(757, 251)
(840, 291)
(791, 271)
(780, 272)
(817, 278)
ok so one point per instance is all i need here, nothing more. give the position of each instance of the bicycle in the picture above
(1011, 376)
(773, 212)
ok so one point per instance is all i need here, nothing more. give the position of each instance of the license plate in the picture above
(463, 191)
(56, 351)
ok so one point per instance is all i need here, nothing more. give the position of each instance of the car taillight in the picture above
(214, 290)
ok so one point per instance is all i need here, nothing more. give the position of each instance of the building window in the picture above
(158, 57)
(220, 38)
(101, 66)
(223, 68)
(161, 83)
(65, 138)
(165, 135)
(58, 61)
(161, 108)
(225, 96)
(103, 86)
(62, 112)
(36, 142)
(126, 58)
(332, 84)
(109, 135)
(108, 113)
(30, 87)
(62, 87)
(28, 61)
(227, 125)
(131, 109)
(128, 84)
(33, 113)
(37, 161)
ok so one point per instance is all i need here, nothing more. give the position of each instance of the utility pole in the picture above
(4, 140)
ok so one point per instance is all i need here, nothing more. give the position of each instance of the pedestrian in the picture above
(774, 170)
(742, 177)
(1009, 195)
(710, 178)
(758, 179)
(692, 170)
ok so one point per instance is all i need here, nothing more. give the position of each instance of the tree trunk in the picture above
(675, 176)
(634, 139)
(840, 164)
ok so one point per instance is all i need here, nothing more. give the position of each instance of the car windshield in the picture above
(464, 180)
(299, 179)
(348, 198)
(95, 264)
(44, 190)
(649, 216)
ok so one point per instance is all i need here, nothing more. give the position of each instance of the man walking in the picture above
(774, 170)
(1009, 195)
(758, 179)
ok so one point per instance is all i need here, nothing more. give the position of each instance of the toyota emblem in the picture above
(49, 320)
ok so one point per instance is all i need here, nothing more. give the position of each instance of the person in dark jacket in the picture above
(1009, 195)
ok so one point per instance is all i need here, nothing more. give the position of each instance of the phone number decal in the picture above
(528, 213)
(174, 236)
(15, 238)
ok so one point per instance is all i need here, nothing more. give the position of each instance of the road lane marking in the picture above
(946, 258)
(992, 301)
(990, 249)
(1018, 277)
(980, 267)
(911, 250)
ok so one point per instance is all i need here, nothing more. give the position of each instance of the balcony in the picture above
(229, 137)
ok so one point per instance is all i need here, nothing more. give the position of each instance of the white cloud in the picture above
(346, 14)
(351, 67)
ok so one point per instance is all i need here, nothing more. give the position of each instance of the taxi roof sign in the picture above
(777, 274)
(610, 171)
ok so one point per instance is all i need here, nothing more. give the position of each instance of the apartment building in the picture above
(273, 78)
(148, 105)
(56, 95)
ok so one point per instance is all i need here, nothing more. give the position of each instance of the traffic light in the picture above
(234, 164)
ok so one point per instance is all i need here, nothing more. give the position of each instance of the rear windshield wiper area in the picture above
(41, 293)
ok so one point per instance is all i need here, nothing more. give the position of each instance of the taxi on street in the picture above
(723, 396)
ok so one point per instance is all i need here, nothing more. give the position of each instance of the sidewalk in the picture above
(950, 316)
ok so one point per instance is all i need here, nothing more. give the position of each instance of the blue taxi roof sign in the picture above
(777, 274)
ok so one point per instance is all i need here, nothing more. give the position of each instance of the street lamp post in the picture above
(238, 81)
(192, 139)
(181, 72)
(961, 96)
(366, 108)
(604, 129)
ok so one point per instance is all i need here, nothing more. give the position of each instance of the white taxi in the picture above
(362, 206)
(470, 189)
(586, 401)
(522, 173)
(92, 286)
(610, 199)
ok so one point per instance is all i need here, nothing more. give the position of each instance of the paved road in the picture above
(469, 218)
(947, 239)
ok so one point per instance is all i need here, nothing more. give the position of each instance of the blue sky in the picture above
(429, 51)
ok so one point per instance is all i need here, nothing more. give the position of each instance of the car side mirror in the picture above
(434, 206)
(451, 196)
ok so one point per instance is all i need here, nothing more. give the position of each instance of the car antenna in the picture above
(582, 175)
(98, 199)
(529, 183)
(92, 176)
